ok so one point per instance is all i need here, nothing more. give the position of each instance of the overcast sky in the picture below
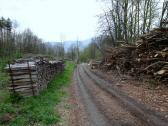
(52, 20)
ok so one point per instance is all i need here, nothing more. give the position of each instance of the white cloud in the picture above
(51, 18)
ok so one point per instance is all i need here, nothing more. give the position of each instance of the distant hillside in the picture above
(67, 44)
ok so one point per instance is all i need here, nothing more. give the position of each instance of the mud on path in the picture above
(94, 102)
(154, 96)
(107, 105)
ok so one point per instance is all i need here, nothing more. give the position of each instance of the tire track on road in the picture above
(95, 117)
(137, 109)
(108, 105)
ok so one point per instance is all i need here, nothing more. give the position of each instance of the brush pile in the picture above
(119, 58)
(149, 56)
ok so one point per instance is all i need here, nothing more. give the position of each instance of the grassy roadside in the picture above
(3, 76)
(39, 109)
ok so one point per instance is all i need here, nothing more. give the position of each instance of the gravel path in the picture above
(137, 109)
(96, 103)
(96, 118)
(115, 114)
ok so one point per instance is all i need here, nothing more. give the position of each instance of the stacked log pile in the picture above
(148, 56)
(94, 64)
(29, 77)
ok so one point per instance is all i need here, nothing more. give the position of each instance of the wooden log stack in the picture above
(94, 64)
(148, 56)
(29, 77)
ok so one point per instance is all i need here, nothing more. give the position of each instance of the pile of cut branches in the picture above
(151, 54)
(148, 56)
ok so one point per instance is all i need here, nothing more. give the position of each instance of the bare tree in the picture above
(164, 16)
(126, 20)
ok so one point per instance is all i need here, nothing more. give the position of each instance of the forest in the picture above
(12, 42)
(120, 78)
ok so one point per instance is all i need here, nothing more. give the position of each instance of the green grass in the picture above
(3, 75)
(39, 109)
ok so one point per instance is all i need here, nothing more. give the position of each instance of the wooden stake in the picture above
(10, 72)
(30, 78)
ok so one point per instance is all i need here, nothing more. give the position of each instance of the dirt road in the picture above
(102, 104)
